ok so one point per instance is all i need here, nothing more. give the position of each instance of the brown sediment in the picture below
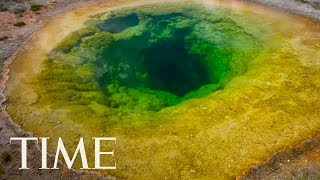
(298, 162)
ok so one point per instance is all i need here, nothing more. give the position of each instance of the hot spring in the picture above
(138, 60)
(190, 89)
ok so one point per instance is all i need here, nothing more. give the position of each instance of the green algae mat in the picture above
(191, 90)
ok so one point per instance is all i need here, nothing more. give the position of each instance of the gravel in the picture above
(309, 8)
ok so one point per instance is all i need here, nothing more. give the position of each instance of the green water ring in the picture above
(138, 60)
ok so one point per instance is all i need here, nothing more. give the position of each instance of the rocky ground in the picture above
(20, 18)
(310, 8)
(299, 162)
